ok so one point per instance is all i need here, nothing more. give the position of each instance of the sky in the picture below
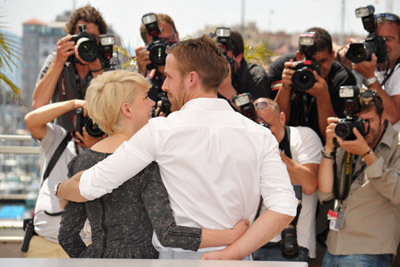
(190, 16)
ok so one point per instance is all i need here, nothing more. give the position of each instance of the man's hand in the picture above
(330, 134)
(320, 87)
(143, 59)
(65, 48)
(357, 147)
(367, 68)
(86, 139)
(287, 75)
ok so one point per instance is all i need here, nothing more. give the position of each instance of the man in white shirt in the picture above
(301, 152)
(214, 162)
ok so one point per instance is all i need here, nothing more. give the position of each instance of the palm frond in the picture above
(14, 88)
(260, 55)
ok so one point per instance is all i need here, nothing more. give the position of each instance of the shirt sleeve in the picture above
(72, 222)
(276, 189)
(155, 198)
(386, 177)
(127, 161)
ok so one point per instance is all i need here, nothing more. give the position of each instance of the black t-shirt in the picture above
(250, 78)
(303, 106)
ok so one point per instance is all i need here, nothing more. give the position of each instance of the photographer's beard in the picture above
(375, 133)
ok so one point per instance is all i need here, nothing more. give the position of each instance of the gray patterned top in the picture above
(122, 222)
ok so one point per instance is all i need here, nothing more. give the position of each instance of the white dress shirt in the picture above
(214, 162)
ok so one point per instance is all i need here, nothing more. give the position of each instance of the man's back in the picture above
(214, 163)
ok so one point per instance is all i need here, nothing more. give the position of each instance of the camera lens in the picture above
(303, 79)
(93, 129)
(360, 52)
(343, 129)
(290, 247)
(87, 49)
(157, 52)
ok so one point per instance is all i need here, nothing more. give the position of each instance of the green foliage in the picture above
(9, 50)
(128, 62)
(260, 55)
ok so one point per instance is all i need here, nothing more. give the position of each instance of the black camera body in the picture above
(157, 47)
(344, 127)
(157, 94)
(224, 38)
(88, 48)
(373, 43)
(91, 127)
(303, 78)
(290, 247)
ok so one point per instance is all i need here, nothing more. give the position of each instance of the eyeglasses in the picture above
(261, 105)
(368, 93)
(171, 39)
(388, 17)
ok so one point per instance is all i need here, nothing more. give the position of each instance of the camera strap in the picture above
(284, 145)
(60, 149)
(390, 72)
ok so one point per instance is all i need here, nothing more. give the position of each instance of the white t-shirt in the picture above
(392, 86)
(214, 162)
(45, 225)
(305, 147)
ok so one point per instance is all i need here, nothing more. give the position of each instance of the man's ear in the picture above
(282, 118)
(193, 78)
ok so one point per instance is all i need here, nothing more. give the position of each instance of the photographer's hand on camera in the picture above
(65, 48)
(86, 139)
(367, 68)
(142, 59)
(358, 147)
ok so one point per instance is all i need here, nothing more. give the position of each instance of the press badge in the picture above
(336, 219)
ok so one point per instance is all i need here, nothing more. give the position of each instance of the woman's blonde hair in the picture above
(106, 94)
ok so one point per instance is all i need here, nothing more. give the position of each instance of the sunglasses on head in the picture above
(387, 17)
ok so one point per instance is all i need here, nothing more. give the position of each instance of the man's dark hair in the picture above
(323, 40)
(160, 17)
(87, 14)
(237, 43)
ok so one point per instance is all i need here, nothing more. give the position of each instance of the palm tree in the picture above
(9, 51)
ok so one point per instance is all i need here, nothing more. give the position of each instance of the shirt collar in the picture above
(207, 103)
(387, 138)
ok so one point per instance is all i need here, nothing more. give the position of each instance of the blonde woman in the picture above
(122, 221)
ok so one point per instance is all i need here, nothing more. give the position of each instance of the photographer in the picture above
(310, 107)
(244, 77)
(65, 75)
(363, 176)
(50, 137)
(301, 153)
(382, 75)
(168, 33)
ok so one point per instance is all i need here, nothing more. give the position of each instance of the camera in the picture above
(91, 127)
(243, 101)
(157, 47)
(344, 127)
(89, 50)
(290, 247)
(223, 35)
(157, 94)
(373, 43)
(303, 78)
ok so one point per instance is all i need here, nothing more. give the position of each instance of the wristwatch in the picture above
(370, 81)
(56, 189)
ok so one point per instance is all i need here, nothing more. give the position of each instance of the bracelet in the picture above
(101, 68)
(366, 153)
(327, 155)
